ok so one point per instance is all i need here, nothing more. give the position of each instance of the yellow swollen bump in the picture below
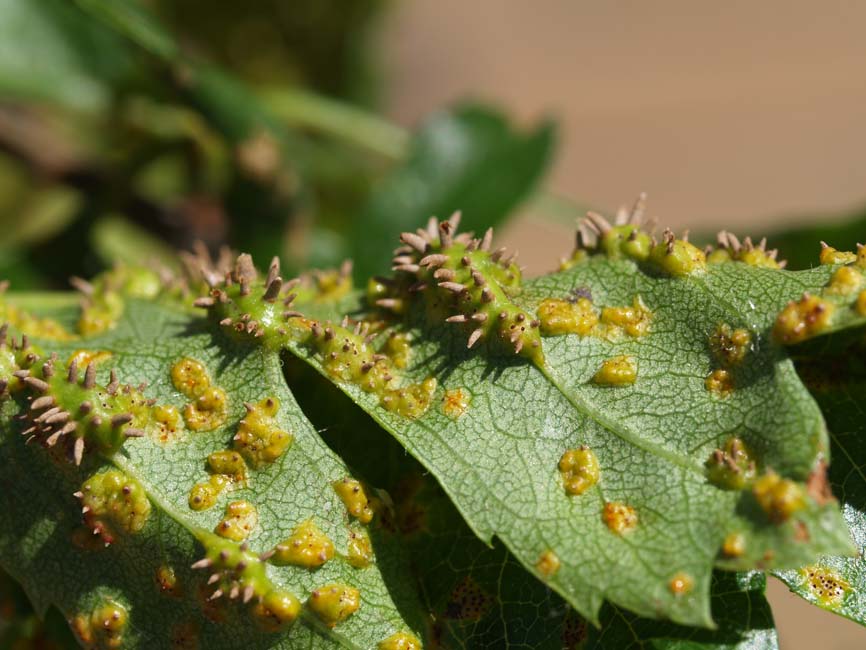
(400, 641)
(830, 255)
(277, 610)
(108, 623)
(730, 345)
(734, 545)
(411, 401)
(229, 463)
(307, 546)
(259, 439)
(802, 319)
(780, 498)
(579, 469)
(190, 377)
(618, 371)
(398, 348)
(167, 582)
(208, 411)
(113, 503)
(559, 317)
(678, 257)
(204, 495)
(633, 320)
(168, 421)
(828, 587)
(548, 564)
(455, 402)
(239, 521)
(845, 281)
(353, 496)
(681, 583)
(334, 603)
(732, 467)
(360, 549)
(720, 383)
(620, 518)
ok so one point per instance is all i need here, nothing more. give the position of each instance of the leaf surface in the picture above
(654, 516)
(43, 516)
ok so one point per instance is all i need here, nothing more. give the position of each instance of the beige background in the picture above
(736, 114)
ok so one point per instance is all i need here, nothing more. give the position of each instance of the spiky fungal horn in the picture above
(249, 308)
(66, 407)
(631, 236)
(468, 283)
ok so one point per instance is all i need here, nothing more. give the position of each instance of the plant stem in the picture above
(338, 119)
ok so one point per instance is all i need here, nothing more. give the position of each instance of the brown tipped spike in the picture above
(747, 244)
(454, 220)
(204, 563)
(387, 303)
(214, 577)
(42, 402)
(434, 260)
(597, 222)
(638, 210)
(487, 240)
(249, 592)
(204, 302)
(47, 414)
(408, 268)
(267, 555)
(78, 450)
(473, 338)
(72, 375)
(734, 243)
(459, 318)
(57, 418)
(444, 274)
(53, 439)
(399, 260)
(21, 374)
(518, 346)
(4, 329)
(235, 591)
(85, 408)
(329, 333)
(36, 384)
(445, 237)
(480, 317)
(121, 419)
(273, 270)
(486, 295)
(113, 383)
(90, 376)
(226, 322)
(216, 595)
(69, 427)
(291, 314)
(415, 241)
(78, 495)
(48, 369)
(417, 286)
(273, 290)
(456, 287)
(498, 253)
(478, 279)
(81, 285)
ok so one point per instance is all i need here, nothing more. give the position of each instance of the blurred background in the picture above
(317, 129)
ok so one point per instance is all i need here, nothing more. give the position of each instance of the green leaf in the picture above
(495, 425)
(835, 583)
(43, 543)
(468, 158)
(511, 609)
(51, 52)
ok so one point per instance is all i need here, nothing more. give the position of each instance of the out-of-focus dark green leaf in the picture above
(800, 245)
(468, 158)
(117, 239)
(50, 51)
